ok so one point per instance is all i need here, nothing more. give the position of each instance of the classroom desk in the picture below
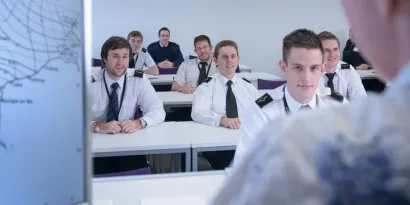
(244, 68)
(253, 77)
(152, 140)
(175, 99)
(178, 99)
(159, 188)
(209, 138)
(368, 74)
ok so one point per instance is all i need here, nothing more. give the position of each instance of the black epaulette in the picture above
(264, 100)
(144, 50)
(92, 79)
(345, 66)
(207, 79)
(246, 80)
(337, 96)
(138, 73)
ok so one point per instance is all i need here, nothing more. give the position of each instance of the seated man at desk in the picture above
(340, 77)
(140, 59)
(303, 66)
(222, 100)
(351, 54)
(193, 72)
(116, 94)
(165, 53)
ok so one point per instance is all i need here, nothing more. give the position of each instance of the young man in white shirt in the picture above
(303, 66)
(340, 77)
(355, 154)
(140, 59)
(116, 93)
(222, 100)
(192, 73)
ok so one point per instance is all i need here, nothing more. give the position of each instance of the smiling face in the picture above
(116, 63)
(203, 50)
(227, 60)
(332, 53)
(115, 54)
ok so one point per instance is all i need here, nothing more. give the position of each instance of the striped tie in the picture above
(113, 105)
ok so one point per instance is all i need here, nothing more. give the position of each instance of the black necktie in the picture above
(202, 73)
(330, 76)
(231, 107)
(112, 113)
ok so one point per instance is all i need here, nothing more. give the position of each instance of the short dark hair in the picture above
(202, 38)
(164, 29)
(225, 43)
(300, 38)
(135, 34)
(113, 43)
(326, 35)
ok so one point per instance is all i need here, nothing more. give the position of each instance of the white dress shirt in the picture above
(188, 72)
(305, 158)
(346, 82)
(257, 118)
(144, 61)
(138, 91)
(209, 103)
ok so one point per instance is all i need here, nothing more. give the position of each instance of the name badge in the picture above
(355, 49)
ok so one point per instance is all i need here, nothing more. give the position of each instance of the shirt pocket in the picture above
(128, 109)
(99, 109)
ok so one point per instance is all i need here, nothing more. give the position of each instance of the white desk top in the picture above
(176, 98)
(258, 75)
(168, 79)
(368, 74)
(167, 135)
(209, 136)
(152, 138)
(162, 79)
(130, 190)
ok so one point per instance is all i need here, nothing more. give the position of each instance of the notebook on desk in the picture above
(175, 200)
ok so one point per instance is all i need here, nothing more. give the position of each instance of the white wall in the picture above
(257, 26)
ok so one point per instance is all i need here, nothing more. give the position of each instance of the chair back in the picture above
(167, 71)
(269, 84)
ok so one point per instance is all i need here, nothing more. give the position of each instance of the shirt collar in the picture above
(111, 81)
(294, 105)
(163, 45)
(208, 62)
(338, 67)
(225, 80)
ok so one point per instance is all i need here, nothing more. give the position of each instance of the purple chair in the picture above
(142, 171)
(96, 63)
(167, 71)
(268, 84)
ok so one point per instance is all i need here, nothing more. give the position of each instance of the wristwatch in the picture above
(143, 123)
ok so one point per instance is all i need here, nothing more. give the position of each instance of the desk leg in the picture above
(188, 160)
(194, 160)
